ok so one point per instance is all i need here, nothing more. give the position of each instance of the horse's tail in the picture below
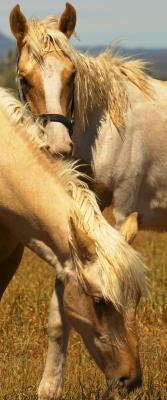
(106, 265)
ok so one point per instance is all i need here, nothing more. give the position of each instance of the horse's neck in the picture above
(99, 145)
(85, 138)
(27, 209)
(103, 145)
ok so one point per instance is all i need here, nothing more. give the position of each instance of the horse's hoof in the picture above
(49, 390)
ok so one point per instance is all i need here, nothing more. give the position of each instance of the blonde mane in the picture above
(119, 268)
(104, 83)
(21, 115)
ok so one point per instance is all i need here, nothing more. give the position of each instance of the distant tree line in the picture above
(8, 70)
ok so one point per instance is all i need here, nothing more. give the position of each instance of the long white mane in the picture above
(21, 115)
(119, 266)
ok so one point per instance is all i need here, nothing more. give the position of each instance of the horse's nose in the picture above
(132, 379)
(68, 150)
(65, 151)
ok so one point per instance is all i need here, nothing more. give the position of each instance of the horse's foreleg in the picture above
(130, 227)
(51, 385)
(9, 266)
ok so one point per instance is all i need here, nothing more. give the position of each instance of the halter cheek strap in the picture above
(20, 90)
(45, 117)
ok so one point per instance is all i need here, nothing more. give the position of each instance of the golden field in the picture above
(23, 332)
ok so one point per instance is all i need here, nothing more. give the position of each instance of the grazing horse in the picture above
(119, 112)
(46, 206)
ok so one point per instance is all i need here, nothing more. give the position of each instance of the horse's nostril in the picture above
(45, 148)
(131, 382)
(68, 151)
(123, 379)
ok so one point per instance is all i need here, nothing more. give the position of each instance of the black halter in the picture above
(46, 117)
(57, 118)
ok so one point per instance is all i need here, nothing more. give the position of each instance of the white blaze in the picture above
(56, 134)
(51, 76)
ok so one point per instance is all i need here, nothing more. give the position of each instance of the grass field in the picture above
(23, 333)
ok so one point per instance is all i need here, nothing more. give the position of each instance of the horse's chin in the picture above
(114, 390)
(60, 156)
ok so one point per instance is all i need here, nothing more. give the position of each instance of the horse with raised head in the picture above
(119, 112)
(44, 205)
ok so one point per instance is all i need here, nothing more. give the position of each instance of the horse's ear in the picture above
(87, 269)
(84, 245)
(18, 24)
(68, 20)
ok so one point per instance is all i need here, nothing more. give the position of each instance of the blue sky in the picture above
(135, 23)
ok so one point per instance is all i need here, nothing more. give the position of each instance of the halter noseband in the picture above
(57, 118)
(46, 117)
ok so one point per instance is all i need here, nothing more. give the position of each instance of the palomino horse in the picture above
(100, 276)
(120, 116)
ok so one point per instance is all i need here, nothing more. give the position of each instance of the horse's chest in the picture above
(7, 243)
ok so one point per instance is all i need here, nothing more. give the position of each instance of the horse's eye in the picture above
(23, 81)
(73, 75)
(99, 301)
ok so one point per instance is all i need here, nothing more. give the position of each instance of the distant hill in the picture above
(5, 45)
(156, 57)
(157, 60)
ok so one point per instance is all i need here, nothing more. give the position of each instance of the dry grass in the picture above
(23, 333)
